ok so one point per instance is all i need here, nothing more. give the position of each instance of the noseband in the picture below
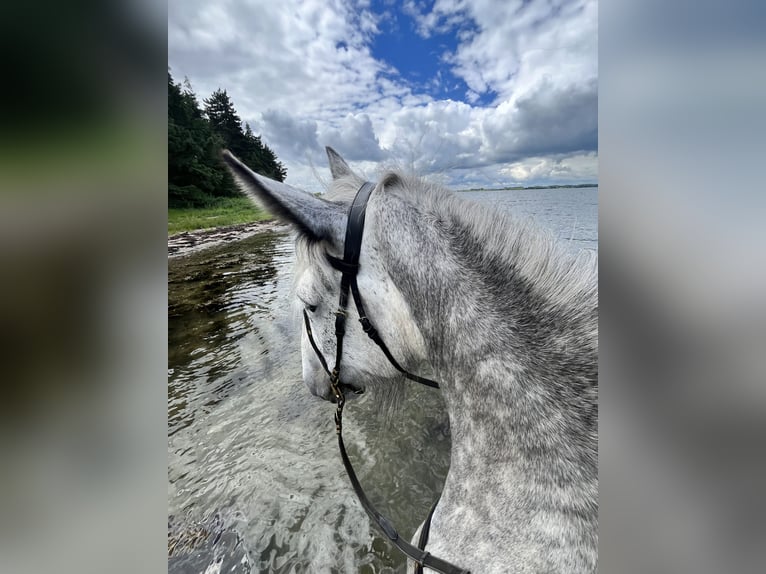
(349, 268)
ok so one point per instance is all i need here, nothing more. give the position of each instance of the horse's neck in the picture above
(516, 354)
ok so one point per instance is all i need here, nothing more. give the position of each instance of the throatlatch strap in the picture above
(373, 334)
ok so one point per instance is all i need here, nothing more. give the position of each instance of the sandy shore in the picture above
(187, 242)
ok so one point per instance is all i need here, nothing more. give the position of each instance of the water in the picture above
(255, 482)
(570, 214)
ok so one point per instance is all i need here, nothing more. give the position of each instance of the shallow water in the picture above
(255, 482)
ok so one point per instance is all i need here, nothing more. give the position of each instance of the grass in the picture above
(226, 211)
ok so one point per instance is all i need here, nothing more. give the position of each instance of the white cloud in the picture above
(295, 138)
(472, 97)
(355, 138)
(519, 44)
(308, 57)
(302, 73)
(575, 169)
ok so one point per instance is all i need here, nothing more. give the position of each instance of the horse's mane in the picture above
(564, 277)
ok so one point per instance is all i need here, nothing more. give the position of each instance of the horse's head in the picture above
(321, 226)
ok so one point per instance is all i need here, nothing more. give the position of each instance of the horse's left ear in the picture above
(313, 216)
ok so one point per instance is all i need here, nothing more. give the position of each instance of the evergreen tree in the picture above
(224, 121)
(196, 175)
(260, 157)
(247, 146)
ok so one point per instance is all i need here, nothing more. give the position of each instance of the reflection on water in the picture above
(214, 300)
(255, 482)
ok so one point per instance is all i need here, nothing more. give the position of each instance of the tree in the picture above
(224, 121)
(196, 175)
(260, 157)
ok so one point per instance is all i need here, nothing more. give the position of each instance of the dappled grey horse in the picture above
(495, 311)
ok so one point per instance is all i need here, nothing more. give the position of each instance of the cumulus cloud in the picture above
(436, 137)
(294, 137)
(549, 120)
(509, 47)
(308, 57)
(355, 138)
(576, 168)
(303, 73)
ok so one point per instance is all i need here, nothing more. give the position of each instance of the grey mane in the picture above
(531, 251)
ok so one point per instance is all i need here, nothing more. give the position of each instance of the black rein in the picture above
(349, 267)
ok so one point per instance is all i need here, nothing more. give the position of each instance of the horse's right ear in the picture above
(314, 217)
(338, 166)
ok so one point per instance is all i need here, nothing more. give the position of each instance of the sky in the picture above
(481, 93)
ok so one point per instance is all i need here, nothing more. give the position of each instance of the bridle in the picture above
(349, 268)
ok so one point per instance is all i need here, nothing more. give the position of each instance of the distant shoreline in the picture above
(520, 187)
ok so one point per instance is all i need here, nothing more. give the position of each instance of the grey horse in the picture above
(504, 319)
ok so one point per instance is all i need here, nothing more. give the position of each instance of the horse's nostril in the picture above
(351, 389)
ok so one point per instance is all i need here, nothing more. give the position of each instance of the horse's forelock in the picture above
(310, 253)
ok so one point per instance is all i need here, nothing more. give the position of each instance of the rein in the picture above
(349, 267)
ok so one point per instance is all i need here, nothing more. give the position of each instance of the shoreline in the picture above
(188, 242)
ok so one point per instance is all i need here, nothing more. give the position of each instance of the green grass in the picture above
(226, 211)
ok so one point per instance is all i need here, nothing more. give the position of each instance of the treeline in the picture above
(196, 174)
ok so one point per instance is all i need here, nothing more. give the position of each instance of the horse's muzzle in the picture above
(320, 387)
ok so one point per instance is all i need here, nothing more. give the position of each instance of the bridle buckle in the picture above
(368, 328)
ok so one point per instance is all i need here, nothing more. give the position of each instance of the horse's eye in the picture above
(306, 305)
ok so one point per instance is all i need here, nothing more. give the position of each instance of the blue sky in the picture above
(420, 60)
(481, 93)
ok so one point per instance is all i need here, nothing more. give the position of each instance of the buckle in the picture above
(367, 327)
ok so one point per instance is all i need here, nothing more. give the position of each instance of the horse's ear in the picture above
(338, 166)
(316, 218)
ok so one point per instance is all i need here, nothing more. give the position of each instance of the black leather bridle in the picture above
(349, 268)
